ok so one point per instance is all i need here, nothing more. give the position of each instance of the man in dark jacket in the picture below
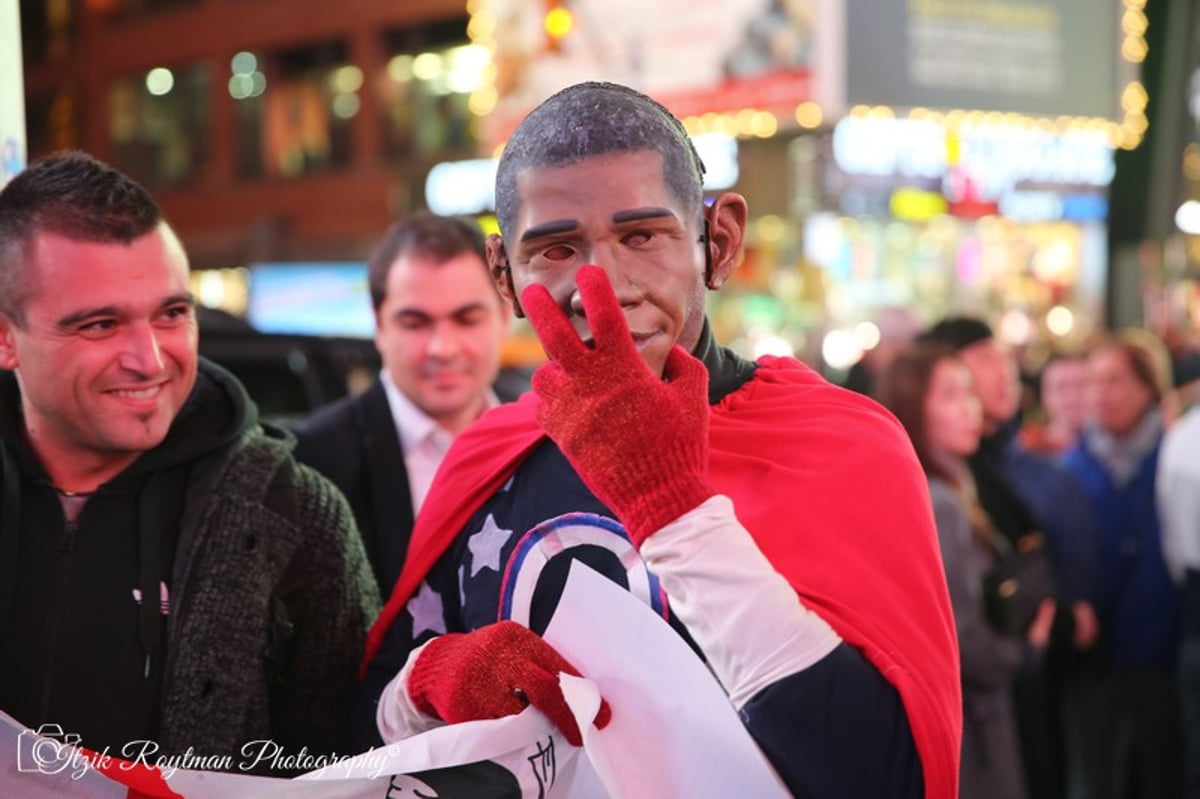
(171, 580)
(439, 324)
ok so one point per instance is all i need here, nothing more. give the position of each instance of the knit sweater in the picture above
(275, 599)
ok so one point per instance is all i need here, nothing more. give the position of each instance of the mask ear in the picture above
(501, 271)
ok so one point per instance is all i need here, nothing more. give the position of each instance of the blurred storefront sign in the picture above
(1000, 156)
(1025, 172)
(12, 93)
(1051, 57)
(901, 213)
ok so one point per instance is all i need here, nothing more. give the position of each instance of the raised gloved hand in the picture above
(492, 672)
(638, 441)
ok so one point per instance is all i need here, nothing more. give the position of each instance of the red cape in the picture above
(827, 483)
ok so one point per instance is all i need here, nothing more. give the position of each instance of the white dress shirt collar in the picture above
(423, 441)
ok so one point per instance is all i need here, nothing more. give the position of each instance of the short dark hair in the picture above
(69, 194)
(591, 119)
(958, 332)
(437, 239)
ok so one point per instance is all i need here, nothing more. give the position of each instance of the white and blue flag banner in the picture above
(673, 733)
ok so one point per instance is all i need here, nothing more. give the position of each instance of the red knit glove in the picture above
(492, 672)
(639, 442)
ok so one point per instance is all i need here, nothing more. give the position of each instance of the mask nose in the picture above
(627, 291)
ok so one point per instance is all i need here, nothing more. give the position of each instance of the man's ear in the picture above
(498, 265)
(726, 219)
(8, 344)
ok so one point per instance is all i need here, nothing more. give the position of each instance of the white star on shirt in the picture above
(485, 546)
(426, 611)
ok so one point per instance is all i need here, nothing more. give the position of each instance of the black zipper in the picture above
(62, 583)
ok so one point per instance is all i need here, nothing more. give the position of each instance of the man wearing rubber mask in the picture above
(782, 523)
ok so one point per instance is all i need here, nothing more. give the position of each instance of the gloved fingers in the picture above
(544, 692)
(548, 379)
(500, 703)
(683, 368)
(610, 331)
(603, 715)
(553, 328)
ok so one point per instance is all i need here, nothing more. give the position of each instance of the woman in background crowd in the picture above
(1122, 715)
(928, 388)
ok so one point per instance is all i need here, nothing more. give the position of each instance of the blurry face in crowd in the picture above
(615, 211)
(439, 330)
(997, 384)
(1064, 393)
(107, 356)
(1118, 399)
(953, 422)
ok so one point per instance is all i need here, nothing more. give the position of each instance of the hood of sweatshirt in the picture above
(217, 412)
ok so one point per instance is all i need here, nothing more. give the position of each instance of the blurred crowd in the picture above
(1094, 693)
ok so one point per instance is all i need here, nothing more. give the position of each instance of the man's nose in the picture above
(443, 341)
(142, 353)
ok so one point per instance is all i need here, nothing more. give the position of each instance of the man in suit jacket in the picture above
(439, 325)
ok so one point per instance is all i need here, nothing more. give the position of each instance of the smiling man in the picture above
(778, 523)
(439, 326)
(137, 611)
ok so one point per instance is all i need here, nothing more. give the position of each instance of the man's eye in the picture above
(97, 326)
(470, 319)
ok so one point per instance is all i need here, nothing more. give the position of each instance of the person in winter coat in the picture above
(171, 581)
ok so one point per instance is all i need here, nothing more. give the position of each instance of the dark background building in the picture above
(269, 130)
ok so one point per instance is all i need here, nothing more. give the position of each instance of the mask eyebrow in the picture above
(549, 229)
(638, 214)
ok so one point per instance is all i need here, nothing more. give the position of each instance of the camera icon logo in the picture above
(46, 750)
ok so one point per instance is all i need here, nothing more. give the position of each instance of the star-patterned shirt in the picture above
(511, 561)
(477, 582)
(466, 588)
